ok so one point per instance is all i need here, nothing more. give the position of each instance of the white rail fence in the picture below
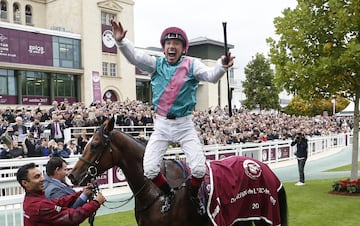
(11, 195)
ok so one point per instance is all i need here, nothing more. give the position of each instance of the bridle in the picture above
(92, 170)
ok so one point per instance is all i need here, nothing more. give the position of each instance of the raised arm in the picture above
(136, 57)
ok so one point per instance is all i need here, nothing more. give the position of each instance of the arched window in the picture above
(28, 14)
(17, 13)
(4, 10)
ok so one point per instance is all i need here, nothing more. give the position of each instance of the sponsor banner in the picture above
(25, 47)
(5, 99)
(96, 86)
(36, 100)
(108, 42)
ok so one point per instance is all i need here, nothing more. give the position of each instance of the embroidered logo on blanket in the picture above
(252, 169)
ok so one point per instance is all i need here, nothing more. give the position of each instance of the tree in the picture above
(298, 106)
(318, 54)
(259, 87)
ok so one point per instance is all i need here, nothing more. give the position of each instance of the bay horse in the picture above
(110, 147)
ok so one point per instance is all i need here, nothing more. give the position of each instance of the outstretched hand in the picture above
(227, 61)
(118, 31)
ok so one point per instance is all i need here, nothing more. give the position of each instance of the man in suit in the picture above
(55, 182)
(56, 128)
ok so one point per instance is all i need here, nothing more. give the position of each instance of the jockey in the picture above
(174, 79)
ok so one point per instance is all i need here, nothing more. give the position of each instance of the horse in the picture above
(110, 147)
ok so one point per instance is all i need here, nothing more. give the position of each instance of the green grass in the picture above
(343, 168)
(309, 205)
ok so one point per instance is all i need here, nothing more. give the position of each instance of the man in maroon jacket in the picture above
(39, 211)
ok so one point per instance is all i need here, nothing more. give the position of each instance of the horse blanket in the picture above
(241, 189)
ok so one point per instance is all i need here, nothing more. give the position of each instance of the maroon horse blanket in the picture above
(242, 189)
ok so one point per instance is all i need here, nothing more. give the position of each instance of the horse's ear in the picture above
(109, 125)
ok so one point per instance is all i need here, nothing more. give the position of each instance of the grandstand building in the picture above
(63, 50)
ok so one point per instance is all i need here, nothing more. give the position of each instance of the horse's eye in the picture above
(93, 147)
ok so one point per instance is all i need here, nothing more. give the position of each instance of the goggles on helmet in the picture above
(174, 36)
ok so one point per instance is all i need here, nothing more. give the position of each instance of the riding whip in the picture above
(227, 72)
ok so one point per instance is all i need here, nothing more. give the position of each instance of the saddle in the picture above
(239, 188)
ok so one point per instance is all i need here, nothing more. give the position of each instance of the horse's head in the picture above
(97, 156)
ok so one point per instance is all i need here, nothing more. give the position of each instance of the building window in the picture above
(66, 52)
(65, 85)
(105, 68)
(35, 83)
(17, 14)
(4, 10)
(106, 17)
(8, 84)
(28, 15)
(112, 69)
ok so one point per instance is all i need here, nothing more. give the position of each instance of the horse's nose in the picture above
(72, 178)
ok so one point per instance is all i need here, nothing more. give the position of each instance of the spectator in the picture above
(4, 150)
(45, 116)
(30, 145)
(43, 148)
(301, 154)
(68, 119)
(55, 108)
(74, 148)
(38, 210)
(78, 122)
(19, 129)
(15, 152)
(36, 130)
(57, 149)
(56, 128)
(82, 139)
(3, 126)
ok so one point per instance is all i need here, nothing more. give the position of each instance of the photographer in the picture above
(301, 155)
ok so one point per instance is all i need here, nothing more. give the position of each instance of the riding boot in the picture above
(169, 193)
(194, 190)
(168, 198)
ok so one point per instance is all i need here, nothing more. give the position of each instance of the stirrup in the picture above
(168, 198)
(200, 208)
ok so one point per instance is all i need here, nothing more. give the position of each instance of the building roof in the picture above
(205, 40)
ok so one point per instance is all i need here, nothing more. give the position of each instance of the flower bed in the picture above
(349, 186)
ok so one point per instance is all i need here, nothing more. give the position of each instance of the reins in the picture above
(92, 171)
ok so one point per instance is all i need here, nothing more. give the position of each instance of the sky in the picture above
(249, 23)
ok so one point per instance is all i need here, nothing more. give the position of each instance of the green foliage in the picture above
(319, 49)
(259, 86)
(298, 106)
(318, 53)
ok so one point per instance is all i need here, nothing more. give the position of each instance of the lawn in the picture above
(343, 168)
(309, 205)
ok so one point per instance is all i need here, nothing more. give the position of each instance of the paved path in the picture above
(286, 171)
(316, 166)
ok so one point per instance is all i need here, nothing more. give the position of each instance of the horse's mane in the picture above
(141, 142)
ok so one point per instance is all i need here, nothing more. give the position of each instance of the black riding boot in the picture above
(168, 198)
(200, 208)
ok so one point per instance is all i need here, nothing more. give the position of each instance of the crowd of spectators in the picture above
(36, 131)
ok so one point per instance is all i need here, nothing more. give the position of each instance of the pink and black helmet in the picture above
(174, 33)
